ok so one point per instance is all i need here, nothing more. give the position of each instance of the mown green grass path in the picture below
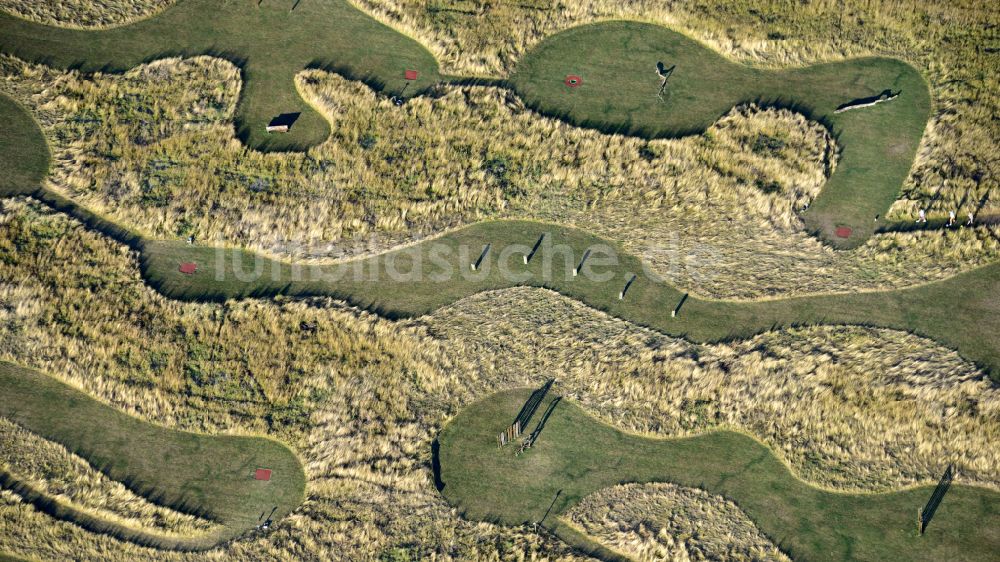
(207, 475)
(577, 454)
(270, 43)
(202, 474)
(962, 312)
(617, 64)
(617, 61)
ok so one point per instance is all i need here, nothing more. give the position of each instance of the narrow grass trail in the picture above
(576, 454)
(270, 43)
(618, 93)
(205, 475)
(616, 61)
(211, 476)
(962, 312)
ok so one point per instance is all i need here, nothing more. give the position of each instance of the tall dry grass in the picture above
(875, 409)
(361, 398)
(954, 44)
(716, 212)
(69, 480)
(660, 522)
(85, 14)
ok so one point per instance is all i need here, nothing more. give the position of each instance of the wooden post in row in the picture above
(628, 284)
(482, 256)
(528, 256)
(509, 434)
(577, 269)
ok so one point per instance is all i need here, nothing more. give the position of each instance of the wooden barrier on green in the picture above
(509, 434)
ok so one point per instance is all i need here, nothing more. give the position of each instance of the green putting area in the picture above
(617, 65)
(212, 476)
(604, 76)
(270, 42)
(962, 312)
(24, 154)
(575, 454)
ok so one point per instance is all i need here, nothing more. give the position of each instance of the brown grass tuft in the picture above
(651, 522)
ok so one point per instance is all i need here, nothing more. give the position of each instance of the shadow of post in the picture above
(436, 464)
(932, 504)
(545, 418)
(884, 95)
(534, 249)
(531, 406)
(549, 510)
(677, 309)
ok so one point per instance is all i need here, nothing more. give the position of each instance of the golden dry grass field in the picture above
(667, 522)
(85, 14)
(177, 171)
(361, 399)
(952, 44)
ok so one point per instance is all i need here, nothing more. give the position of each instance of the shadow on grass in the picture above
(285, 120)
(935, 500)
(551, 505)
(436, 464)
(545, 418)
(885, 95)
(531, 406)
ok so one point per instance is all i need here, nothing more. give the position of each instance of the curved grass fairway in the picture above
(576, 454)
(271, 43)
(208, 475)
(962, 312)
(617, 63)
(24, 156)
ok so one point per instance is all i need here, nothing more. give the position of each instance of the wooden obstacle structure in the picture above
(886, 95)
(283, 123)
(664, 74)
(479, 262)
(509, 434)
(524, 416)
(526, 444)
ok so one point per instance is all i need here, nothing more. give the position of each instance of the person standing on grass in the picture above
(951, 219)
(921, 216)
(971, 220)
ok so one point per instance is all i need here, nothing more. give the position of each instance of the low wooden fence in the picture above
(509, 434)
